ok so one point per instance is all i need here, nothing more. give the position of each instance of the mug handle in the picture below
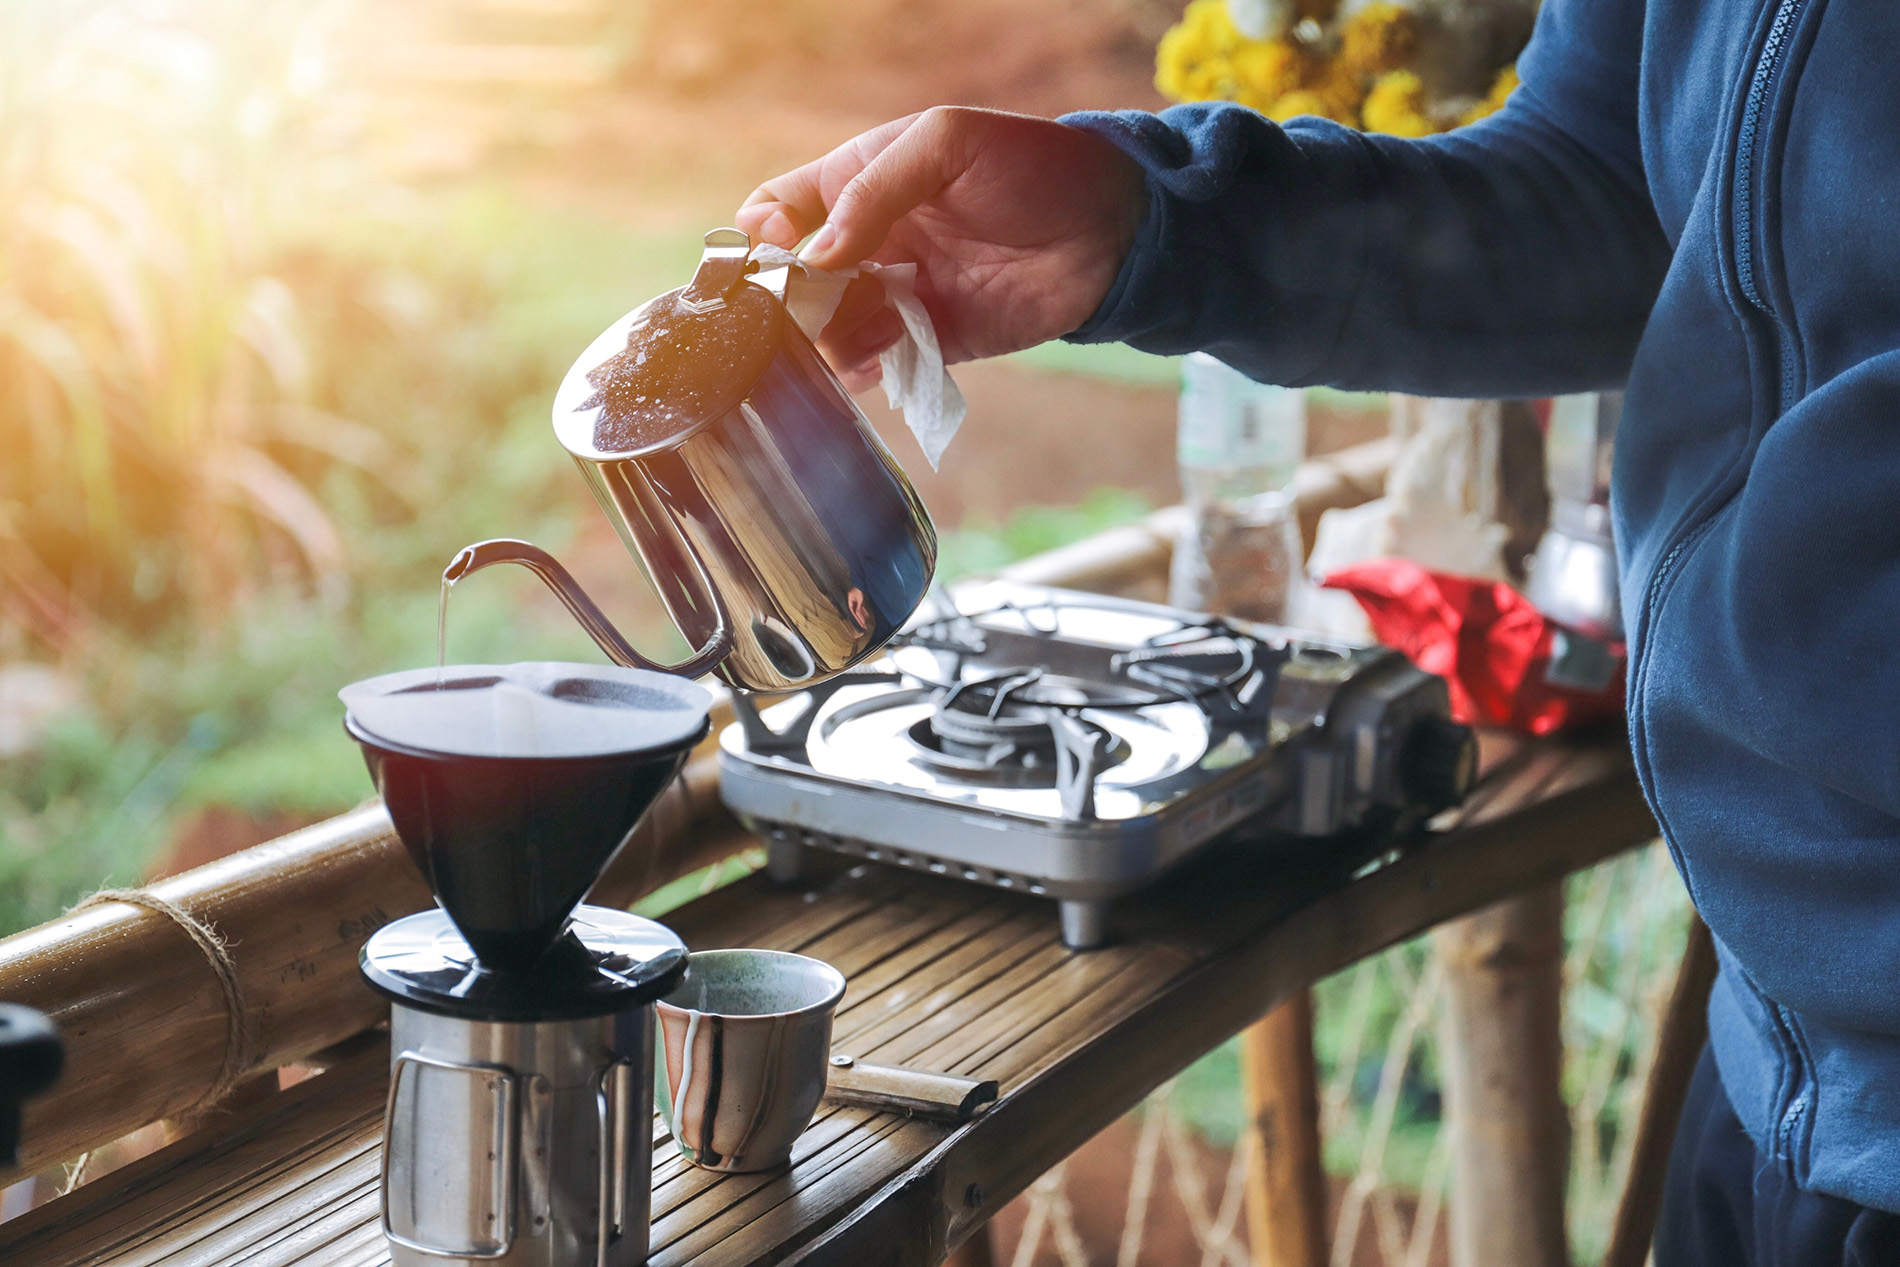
(500, 1083)
(613, 1100)
(557, 578)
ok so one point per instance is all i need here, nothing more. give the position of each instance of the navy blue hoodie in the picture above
(1701, 198)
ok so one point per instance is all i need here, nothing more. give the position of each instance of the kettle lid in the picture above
(676, 363)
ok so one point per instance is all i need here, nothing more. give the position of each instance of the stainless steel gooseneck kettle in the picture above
(778, 530)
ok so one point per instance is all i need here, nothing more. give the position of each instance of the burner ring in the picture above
(1007, 762)
(986, 712)
(1018, 724)
(877, 734)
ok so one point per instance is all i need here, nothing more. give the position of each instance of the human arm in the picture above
(1518, 256)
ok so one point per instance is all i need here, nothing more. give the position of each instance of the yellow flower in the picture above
(1204, 57)
(1299, 101)
(1365, 83)
(1379, 38)
(1183, 70)
(1209, 23)
(1193, 60)
(1396, 105)
(1501, 89)
(1264, 70)
(1186, 69)
(1339, 89)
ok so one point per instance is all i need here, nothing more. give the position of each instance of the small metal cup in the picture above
(747, 1037)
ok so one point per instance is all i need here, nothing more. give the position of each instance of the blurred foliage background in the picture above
(252, 390)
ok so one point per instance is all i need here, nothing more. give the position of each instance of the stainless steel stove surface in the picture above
(1076, 746)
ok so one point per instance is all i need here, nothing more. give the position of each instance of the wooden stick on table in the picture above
(915, 1092)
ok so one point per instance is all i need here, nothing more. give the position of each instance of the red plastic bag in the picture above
(1484, 638)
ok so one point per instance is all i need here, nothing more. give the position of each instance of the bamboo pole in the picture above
(1685, 1028)
(1501, 1064)
(1133, 560)
(1286, 1178)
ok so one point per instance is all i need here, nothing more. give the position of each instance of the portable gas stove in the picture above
(1076, 746)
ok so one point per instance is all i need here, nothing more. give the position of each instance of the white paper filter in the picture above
(915, 377)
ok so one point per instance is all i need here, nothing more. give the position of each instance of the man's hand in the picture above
(1017, 226)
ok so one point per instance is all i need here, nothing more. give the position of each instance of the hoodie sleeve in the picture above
(1516, 256)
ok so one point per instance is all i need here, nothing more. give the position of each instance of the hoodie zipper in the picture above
(1750, 190)
(1790, 1113)
(1749, 181)
(1790, 1147)
(1750, 143)
(1764, 86)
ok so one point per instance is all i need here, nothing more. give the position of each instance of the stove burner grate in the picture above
(1013, 729)
(1205, 662)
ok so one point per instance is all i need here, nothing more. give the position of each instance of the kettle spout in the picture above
(482, 554)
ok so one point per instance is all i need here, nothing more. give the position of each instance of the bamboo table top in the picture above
(943, 975)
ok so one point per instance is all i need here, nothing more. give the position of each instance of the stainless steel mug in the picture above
(519, 1123)
(748, 1045)
(522, 1143)
(782, 536)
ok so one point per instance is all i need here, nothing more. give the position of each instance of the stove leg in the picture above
(784, 858)
(1084, 923)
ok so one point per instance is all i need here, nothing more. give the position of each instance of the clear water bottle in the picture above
(1240, 444)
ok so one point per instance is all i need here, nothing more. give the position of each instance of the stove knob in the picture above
(1439, 762)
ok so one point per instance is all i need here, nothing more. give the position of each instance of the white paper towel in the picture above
(1440, 508)
(915, 377)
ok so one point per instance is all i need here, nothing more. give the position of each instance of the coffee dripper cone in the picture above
(522, 1027)
(512, 840)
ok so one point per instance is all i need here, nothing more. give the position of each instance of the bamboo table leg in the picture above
(1501, 1062)
(1286, 1182)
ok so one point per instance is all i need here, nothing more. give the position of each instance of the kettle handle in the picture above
(557, 578)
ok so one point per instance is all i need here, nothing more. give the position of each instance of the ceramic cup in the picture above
(747, 1036)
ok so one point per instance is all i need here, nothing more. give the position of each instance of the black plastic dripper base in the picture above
(606, 961)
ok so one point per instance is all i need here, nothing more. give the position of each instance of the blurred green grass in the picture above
(479, 313)
(392, 407)
(981, 545)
